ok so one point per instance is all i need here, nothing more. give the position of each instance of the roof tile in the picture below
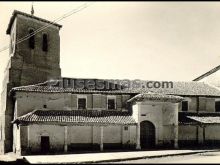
(191, 88)
(75, 117)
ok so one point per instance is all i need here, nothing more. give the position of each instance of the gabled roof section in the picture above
(77, 117)
(207, 73)
(192, 88)
(16, 12)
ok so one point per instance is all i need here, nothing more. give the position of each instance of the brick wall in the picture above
(27, 66)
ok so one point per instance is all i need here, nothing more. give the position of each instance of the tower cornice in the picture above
(16, 12)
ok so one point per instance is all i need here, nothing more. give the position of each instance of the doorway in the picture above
(45, 144)
(147, 135)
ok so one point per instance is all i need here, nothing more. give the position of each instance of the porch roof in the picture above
(77, 117)
(201, 118)
(206, 119)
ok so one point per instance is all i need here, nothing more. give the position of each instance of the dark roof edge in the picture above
(207, 73)
(109, 92)
(14, 14)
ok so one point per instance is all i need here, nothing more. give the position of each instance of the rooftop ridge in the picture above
(187, 88)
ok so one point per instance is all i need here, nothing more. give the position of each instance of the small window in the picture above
(67, 82)
(45, 106)
(217, 106)
(31, 39)
(45, 43)
(185, 106)
(11, 46)
(81, 103)
(12, 43)
(111, 103)
(126, 128)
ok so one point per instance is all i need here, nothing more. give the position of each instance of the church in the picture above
(43, 112)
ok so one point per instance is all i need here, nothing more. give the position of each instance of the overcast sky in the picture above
(136, 40)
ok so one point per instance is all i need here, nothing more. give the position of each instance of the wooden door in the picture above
(147, 134)
(45, 144)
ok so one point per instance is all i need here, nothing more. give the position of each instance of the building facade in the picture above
(41, 112)
(98, 123)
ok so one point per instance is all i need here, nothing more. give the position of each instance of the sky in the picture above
(170, 41)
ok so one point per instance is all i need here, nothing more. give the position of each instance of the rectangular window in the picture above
(45, 43)
(31, 39)
(81, 103)
(217, 106)
(111, 103)
(185, 106)
(11, 46)
(125, 128)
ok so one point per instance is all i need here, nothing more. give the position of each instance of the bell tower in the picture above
(34, 57)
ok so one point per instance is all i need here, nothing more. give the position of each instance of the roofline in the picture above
(207, 73)
(128, 91)
(107, 92)
(16, 12)
(24, 123)
(78, 92)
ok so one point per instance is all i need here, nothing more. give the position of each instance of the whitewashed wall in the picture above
(163, 115)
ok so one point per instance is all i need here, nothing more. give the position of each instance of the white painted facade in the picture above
(63, 138)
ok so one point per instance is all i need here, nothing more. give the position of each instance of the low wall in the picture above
(78, 137)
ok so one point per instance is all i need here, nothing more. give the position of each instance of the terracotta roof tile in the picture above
(155, 97)
(78, 117)
(191, 88)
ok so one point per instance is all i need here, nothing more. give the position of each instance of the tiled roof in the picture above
(206, 119)
(201, 118)
(14, 14)
(184, 120)
(77, 117)
(50, 89)
(156, 96)
(191, 88)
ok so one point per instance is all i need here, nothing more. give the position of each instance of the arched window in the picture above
(45, 43)
(31, 39)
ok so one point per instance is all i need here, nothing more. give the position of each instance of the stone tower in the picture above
(34, 60)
